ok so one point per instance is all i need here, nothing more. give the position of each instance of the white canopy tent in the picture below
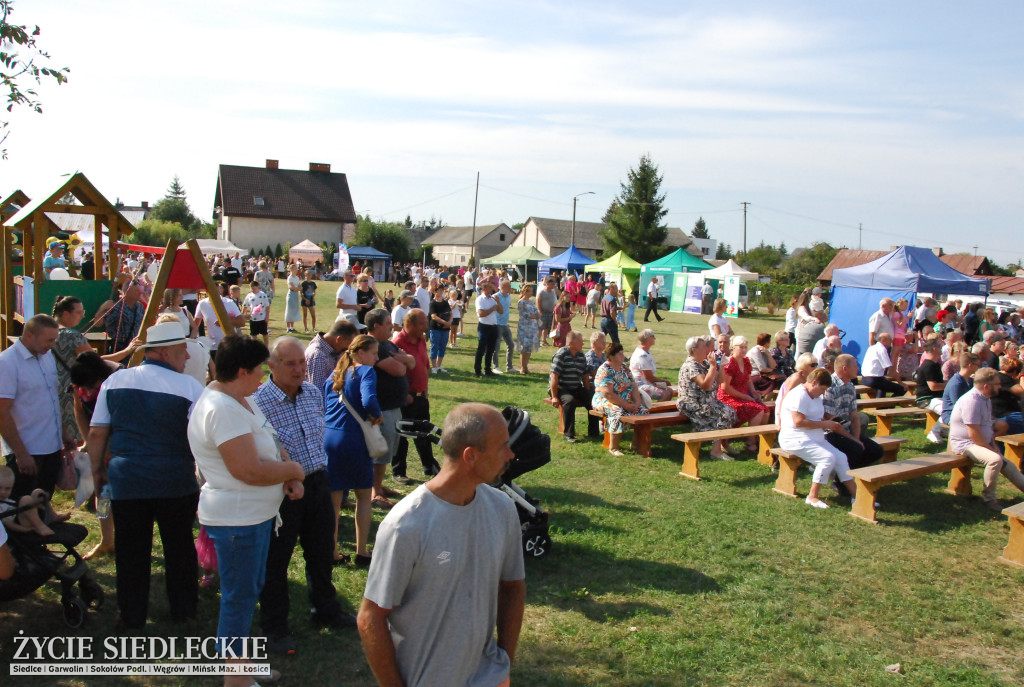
(730, 269)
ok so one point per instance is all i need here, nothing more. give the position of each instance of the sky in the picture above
(903, 118)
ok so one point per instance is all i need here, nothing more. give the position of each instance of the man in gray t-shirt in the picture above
(547, 298)
(448, 568)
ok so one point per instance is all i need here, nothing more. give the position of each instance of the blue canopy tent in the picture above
(569, 260)
(370, 255)
(903, 273)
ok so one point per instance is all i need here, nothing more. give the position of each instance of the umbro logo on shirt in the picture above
(444, 557)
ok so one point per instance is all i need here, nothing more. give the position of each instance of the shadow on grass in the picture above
(556, 495)
(551, 583)
(925, 507)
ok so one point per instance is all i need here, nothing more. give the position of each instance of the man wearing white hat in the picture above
(142, 416)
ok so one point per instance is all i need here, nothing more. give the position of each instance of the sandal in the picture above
(342, 559)
(616, 452)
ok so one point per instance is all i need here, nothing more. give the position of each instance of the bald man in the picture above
(448, 568)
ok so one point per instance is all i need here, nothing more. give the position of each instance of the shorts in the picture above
(257, 328)
(546, 318)
(307, 302)
(592, 309)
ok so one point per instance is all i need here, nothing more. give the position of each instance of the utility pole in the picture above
(472, 246)
(572, 233)
(860, 237)
(745, 228)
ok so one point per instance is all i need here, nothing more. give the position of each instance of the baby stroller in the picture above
(38, 558)
(531, 449)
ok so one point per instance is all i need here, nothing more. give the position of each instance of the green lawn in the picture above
(658, 580)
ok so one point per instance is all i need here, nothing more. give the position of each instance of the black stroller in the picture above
(37, 559)
(531, 449)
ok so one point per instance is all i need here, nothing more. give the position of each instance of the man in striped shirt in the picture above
(571, 387)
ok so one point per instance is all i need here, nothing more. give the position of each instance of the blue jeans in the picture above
(438, 342)
(242, 566)
(1015, 421)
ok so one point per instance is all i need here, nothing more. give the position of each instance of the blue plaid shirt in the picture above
(299, 423)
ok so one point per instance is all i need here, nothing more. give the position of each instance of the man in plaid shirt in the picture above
(841, 405)
(295, 409)
(324, 349)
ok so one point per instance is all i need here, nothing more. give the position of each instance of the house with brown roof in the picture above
(971, 265)
(453, 245)
(553, 236)
(263, 206)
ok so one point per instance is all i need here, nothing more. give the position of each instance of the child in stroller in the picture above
(531, 449)
(39, 556)
(34, 512)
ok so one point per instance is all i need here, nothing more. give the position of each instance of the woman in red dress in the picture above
(738, 392)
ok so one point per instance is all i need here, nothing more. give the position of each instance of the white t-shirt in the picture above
(876, 361)
(347, 295)
(258, 304)
(483, 303)
(224, 499)
(198, 362)
(811, 408)
(280, 265)
(721, 322)
(456, 307)
(206, 313)
(398, 314)
(880, 323)
(791, 320)
(638, 362)
(237, 263)
(423, 298)
(652, 290)
(293, 280)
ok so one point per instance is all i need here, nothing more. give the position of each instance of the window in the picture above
(501, 237)
(463, 259)
(257, 201)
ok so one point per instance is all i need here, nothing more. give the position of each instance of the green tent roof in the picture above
(516, 255)
(619, 261)
(679, 261)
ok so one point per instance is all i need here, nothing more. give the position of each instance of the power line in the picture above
(414, 205)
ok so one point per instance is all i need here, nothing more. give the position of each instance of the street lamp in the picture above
(572, 237)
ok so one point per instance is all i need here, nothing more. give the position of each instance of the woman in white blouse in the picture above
(802, 433)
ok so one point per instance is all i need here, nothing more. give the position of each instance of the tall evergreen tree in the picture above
(633, 220)
(176, 190)
(700, 229)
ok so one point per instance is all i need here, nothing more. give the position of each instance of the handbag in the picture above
(376, 444)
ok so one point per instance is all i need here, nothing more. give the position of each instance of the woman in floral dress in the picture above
(698, 399)
(616, 394)
(528, 330)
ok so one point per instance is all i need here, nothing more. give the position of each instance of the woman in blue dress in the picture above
(349, 465)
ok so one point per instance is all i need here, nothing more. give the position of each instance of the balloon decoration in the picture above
(154, 269)
(59, 274)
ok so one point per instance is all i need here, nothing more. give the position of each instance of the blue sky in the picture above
(905, 117)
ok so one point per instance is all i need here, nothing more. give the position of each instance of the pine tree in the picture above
(176, 190)
(633, 220)
(700, 229)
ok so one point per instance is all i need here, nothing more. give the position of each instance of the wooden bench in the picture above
(866, 391)
(878, 403)
(693, 440)
(1014, 444)
(643, 428)
(885, 417)
(872, 478)
(1013, 554)
(789, 463)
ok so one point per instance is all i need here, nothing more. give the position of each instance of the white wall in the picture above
(258, 233)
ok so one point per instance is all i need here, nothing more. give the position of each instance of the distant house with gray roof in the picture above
(553, 236)
(453, 245)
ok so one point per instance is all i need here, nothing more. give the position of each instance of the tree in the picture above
(700, 229)
(763, 259)
(633, 220)
(154, 232)
(388, 237)
(724, 252)
(805, 264)
(18, 55)
(176, 190)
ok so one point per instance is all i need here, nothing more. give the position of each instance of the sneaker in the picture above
(994, 505)
(497, 371)
(817, 504)
(442, 371)
(509, 370)
(403, 480)
(572, 440)
(723, 456)
(934, 438)
(281, 644)
(434, 370)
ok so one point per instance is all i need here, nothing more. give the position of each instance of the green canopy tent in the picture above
(671, 271)
(619, 268)
(525, 257)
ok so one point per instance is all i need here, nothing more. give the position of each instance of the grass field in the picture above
(658, 580)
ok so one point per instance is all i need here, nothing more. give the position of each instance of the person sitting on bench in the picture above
(571, 387)
(698, 382)
(877, 364)
(802, 433)
(840, 401)
(959, 384)
(972, 432)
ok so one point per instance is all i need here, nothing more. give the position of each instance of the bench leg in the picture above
(889, 453)
(607, 443)
(786, 482)
(1014, 454)
(960, 482)
(765, 443)
(864, 506)
(691, 457)
(884, 427)
(1013, 554)
(930, 420)
(642, 440)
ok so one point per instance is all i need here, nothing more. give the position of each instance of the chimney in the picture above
(937, 251)
(319, 167)
(145, 205)
(271, 164)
